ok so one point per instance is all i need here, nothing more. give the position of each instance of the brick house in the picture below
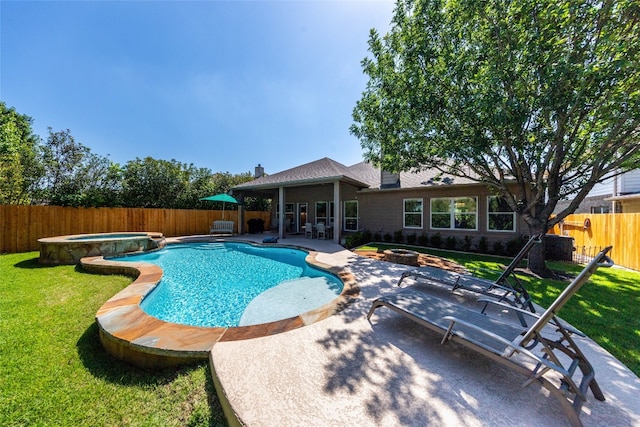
(361, 197)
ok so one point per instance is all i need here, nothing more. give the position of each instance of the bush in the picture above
(436, 240)
(398, 237)
(498, 249)
(377, 237)
(357, 239)
(411, 238)
(514, 246)
(451, 242)
(387, 237)
(423, 239)
(467, 243)
(483, 245)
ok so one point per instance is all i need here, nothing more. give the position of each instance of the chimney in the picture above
(259, 171)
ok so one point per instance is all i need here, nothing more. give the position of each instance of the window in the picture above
(324, 212)
(412, 213)
(500, 217)
(459, 213)
(321, 212)
(351, 215)
(288, 209)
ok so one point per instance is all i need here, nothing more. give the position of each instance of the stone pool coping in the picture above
(130, 334)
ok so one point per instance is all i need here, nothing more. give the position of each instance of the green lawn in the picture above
(54, 371)
(607, 308)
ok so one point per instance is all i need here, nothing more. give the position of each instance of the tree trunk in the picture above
(536, 259)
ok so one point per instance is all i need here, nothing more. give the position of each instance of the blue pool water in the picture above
(234, 284)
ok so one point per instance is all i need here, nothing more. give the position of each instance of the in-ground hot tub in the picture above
(71, 249)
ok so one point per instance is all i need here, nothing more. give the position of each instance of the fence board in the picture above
(22, 226)
(621, 230)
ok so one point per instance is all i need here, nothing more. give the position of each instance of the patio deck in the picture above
(346, 371)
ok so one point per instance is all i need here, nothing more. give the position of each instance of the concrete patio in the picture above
(345, 370)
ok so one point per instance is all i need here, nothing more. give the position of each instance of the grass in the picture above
(54, 371)
(607, 309)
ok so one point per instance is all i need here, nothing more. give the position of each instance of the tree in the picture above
(74, 176)
(152, 183)
(539, 100)
(19, 169)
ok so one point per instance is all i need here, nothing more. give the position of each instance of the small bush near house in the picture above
(377, 237)
(513, 246)
(387, 237)
(358, 238)
(398, 237)
(498, 248)
(423, 239)
(436, 240)
(467, 243)
(411, 238)
(483, 245)
(451, 242)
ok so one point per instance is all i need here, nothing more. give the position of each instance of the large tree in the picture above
(74, 176)
(538, 99)
(19, 168)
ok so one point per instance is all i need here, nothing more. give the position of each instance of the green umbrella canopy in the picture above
(222, 197)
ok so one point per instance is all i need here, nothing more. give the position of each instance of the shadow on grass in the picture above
(102, 365)
(31, 264)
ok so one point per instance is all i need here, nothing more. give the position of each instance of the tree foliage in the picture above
(19, 169)
(541, 94)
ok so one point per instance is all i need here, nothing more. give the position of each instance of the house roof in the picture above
(322, 170)
(363, 175)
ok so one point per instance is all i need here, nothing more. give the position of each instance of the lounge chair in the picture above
(506, 288)
(547, 343)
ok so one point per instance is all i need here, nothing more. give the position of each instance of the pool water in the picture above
(228, 284)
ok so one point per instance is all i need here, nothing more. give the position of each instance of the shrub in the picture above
(513, 246)
(398, 237)
(436, 240)
(423, 239)
(483, 245)
(377, 237)
(411, 238)
(387, 237)
(498, 249)
(357, 239)
(467, 243)
(451, 242)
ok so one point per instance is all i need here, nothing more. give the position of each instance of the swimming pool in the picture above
(228, 284)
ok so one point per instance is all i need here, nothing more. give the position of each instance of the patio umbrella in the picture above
(222, 197)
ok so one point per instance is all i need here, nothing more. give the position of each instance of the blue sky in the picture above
(220, 84)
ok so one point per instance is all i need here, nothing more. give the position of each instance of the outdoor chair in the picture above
(321, 232)
(507, 287)
(308, 230)
(545, 352)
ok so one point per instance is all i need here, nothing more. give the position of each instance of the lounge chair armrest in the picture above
(509, 306)
(569, 328)
(511, 347)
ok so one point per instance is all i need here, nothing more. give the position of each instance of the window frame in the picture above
(350, 218)
(413, 213)
(502, 213)
(451, 212)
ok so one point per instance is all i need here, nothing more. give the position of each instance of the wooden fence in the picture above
(622, 231)
(22, 226)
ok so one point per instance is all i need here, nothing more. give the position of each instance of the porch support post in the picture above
(281, 217)
(241, 213)
(337, 218)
